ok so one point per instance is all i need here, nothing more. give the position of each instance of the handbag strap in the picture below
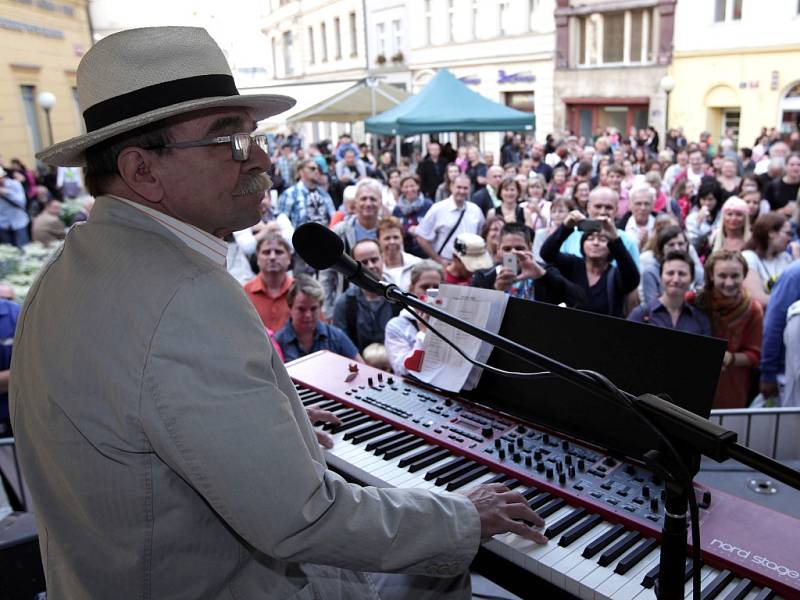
(452, 231)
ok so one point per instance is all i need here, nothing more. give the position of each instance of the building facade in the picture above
(736, 66)
(41, 44)
(611, 58)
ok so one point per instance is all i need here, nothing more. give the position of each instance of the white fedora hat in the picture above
(137, 77)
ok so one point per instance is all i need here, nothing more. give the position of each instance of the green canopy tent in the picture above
(446, 104)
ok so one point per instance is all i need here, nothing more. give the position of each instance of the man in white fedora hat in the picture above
(167, 452)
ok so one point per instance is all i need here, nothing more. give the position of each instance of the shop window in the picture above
(520, 101)
(288, 65)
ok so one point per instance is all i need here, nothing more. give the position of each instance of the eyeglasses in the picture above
(240, 144)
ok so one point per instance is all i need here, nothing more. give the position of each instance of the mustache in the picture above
(252, 183)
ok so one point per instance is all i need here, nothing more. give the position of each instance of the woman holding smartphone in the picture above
(606, 286)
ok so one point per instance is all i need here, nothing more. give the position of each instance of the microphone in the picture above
(323, 249)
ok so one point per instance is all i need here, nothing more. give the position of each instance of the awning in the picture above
(356, 103)
(306, 94)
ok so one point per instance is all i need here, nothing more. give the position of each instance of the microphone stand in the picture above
(693, 434)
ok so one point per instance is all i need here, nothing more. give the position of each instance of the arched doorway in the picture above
(790, 110)
(723, 111)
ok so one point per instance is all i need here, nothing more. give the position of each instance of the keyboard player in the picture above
(166, 449)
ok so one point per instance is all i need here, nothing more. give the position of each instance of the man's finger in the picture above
(324, 439)
(317, 415)
(523, 512)
(522, 530)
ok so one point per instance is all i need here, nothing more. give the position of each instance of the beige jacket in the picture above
(167, 452)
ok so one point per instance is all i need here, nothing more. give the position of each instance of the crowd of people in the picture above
(694, 236)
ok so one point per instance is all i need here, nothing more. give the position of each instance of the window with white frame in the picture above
(337, 37)
(616, 38)
(428, 22)
(311, 55)
(727, 10)
(451, 20)
(474, 19)
(323, 33)
(288, 65)
(397, 37)
(380, 37)
(274, 48)
(353, 35)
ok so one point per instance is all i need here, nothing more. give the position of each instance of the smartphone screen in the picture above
(510, 262)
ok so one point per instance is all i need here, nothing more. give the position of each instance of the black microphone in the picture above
(323, 249)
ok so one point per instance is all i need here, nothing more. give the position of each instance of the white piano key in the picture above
(609, 588)
(634, 586)
(573, 555)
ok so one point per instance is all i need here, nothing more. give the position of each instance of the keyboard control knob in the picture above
(389, 380)
(370, 382)
(705, 501)
(562, 478)
(487, 432)
(571, 471)
(581, 464)
(498, 443)
(609, 462)
(545, 438)
(528, 460)
(537, 455)
(646, 491)
(517, 457)
(540, 467)
(448, 402)
(654, 504)
(549, 473)
(564, 445)
(501, 454)
(568, 459)
(520, 429)
(380, 376)
(510, 447)
(520, 442)
(559, 467)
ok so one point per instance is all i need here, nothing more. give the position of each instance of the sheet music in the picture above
(442, 366)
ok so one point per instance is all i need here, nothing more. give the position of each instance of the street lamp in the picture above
(667, 84)
(47, 100)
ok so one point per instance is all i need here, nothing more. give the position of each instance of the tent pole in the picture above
(397, 149)
(374, 137)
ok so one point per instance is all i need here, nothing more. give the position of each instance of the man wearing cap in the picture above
(181, 463)
(438, 229)
(469, 255)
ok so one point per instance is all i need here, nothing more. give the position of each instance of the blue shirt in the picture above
(691, 320)
(294, 203)
(362, 233)
(785, 292)
(326, 337)
(572, 245)
(9, 312)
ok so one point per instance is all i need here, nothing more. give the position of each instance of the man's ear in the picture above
(136, 167)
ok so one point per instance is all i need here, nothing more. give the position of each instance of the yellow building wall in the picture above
(752, 80)
(41, 44)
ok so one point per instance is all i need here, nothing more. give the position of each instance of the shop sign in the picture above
(29, 28)
(522, 77)
(470, 80)
(65, 9)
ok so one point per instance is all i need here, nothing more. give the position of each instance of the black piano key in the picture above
(540, 500)
(548, 509)
(400, 450)
(499, 478)
(511, 483)
(418, 456)
(632, 558)
(651, 577)
(604, 540)
(363, 437)
(427, 462)
(351, 424)
(450, 465)
(565, 522)
(312, 400)
(455, 472)
(329, 404)
(719, 583)
(580, 530)
(389, 444)
(741, 590)
(530, 493)
(467, 477)
(345, 416)
(387, 440)
(765, 594)
(372, 426)
(619, 548)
